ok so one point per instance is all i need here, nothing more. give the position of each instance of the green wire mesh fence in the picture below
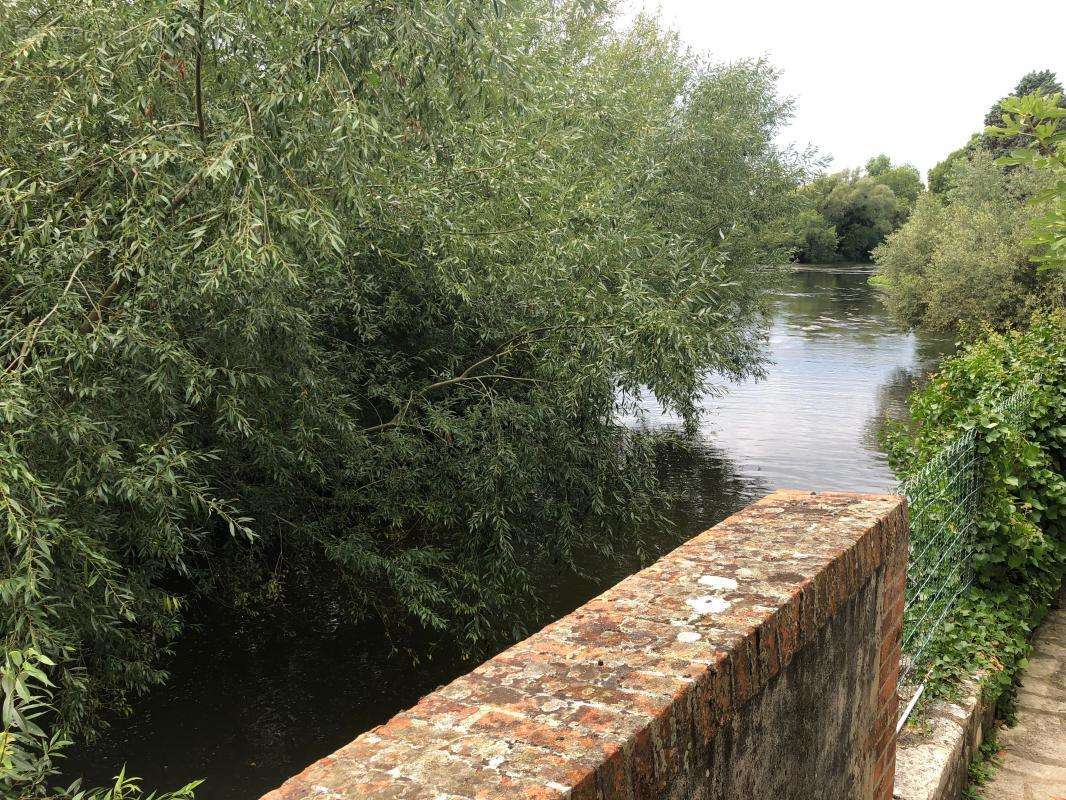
(945, 499)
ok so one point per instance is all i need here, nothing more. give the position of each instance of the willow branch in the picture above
(498, 232)
(467, 375)
(200, 123)
(34, 327)
(105, 300)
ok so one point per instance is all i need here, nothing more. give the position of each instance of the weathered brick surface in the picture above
(883, 734)
(632, 695)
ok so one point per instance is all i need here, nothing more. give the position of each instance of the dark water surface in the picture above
(251, 702)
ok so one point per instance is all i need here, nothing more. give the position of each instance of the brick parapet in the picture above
(622, 699)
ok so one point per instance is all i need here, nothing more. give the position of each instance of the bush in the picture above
(1020, 545)
(962, 261)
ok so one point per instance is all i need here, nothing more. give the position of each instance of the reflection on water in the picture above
(251, 702)
(840, 368)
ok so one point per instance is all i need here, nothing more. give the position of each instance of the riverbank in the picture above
(251, 702)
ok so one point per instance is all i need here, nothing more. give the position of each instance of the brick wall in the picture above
(890, 611)
(759, 659)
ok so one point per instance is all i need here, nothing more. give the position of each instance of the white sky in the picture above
(910, 79)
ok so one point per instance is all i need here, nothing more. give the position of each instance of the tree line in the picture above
(961, 253)
(847, 214)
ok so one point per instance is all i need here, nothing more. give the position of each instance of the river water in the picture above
(251, 702)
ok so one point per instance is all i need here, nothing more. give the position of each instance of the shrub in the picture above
(963, 261)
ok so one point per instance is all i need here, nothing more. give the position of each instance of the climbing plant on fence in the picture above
(943, 499)
(983, 469)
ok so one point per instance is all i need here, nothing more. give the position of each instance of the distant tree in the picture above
(857, 210)
(864, 212)
(905, 181)
(816, 240)
(817, 190)
(878, 165)
(1043, 81)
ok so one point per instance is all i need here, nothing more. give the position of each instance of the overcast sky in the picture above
(907, 78)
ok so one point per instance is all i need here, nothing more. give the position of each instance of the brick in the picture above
(612, 778)
(766, 646)
(713, 702)
(886, 769)
(890, 673)
(640, 763)
(808, 613)
(887, 691)
(852, 571)
(788, 629)
(745, 678)
(890, 656)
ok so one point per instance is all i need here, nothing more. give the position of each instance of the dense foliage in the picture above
(963, 258)
(1037, 123)
(940, 175)
(847, 214)
(987, 141)
(988, 244)
(1020, 545)
(1037, 82)
(345, 296)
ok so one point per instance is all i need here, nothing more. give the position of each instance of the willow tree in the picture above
(304, 293)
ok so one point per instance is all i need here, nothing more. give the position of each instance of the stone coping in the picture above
(933, 754)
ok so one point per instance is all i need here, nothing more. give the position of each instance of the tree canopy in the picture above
(962, 259)
(940, 174)
(348, 295)
(1039, 82)
(988, 245)
(850, 212)
(1037, 123)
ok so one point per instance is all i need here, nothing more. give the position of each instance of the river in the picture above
(251, 702)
